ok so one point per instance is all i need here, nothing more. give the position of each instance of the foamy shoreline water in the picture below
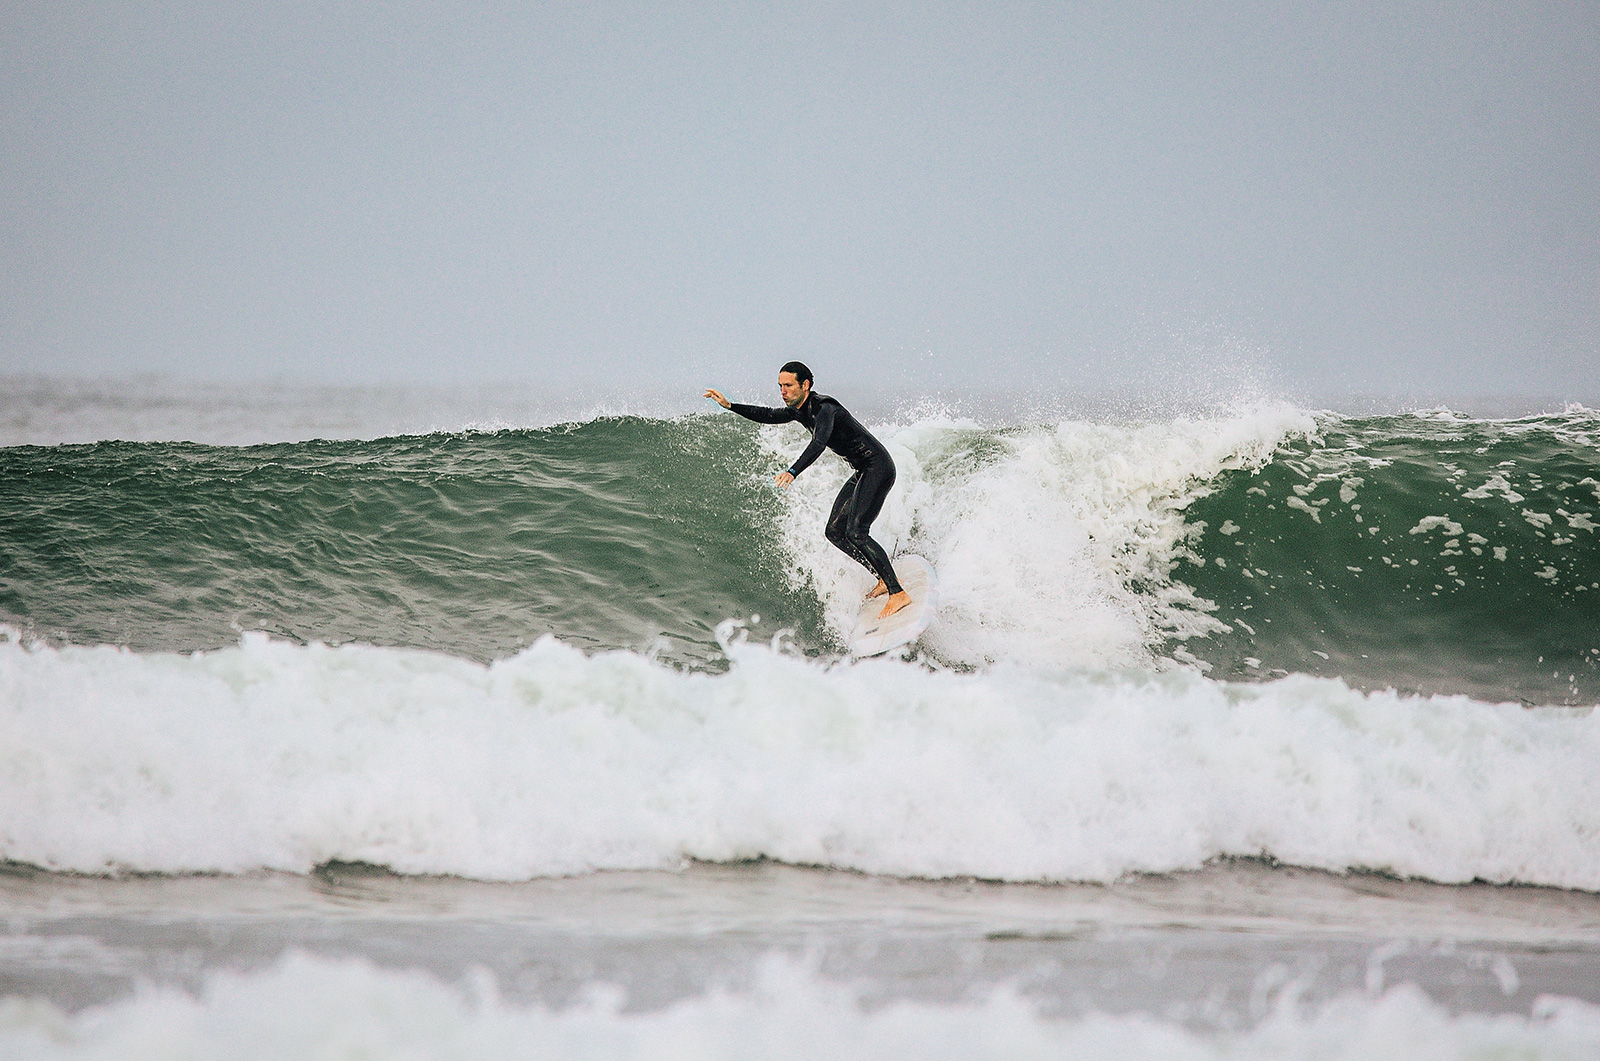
(307, 1007)
(1239, 958)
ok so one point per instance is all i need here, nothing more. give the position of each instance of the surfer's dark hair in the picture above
(798, 369)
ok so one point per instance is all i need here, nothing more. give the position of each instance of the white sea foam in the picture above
(1054, 544)
(283, 756)
(309, 1007)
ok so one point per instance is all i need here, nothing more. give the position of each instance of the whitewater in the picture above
(279, 756)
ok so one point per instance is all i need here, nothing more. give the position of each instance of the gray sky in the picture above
(1390, 197)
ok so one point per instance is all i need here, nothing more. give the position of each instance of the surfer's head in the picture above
(794, 383)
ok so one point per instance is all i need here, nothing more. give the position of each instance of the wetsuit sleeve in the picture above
(762, 415)
(819, 440)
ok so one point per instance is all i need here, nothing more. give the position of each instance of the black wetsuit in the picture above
(857, 505)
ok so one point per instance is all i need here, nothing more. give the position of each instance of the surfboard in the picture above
(874, 636)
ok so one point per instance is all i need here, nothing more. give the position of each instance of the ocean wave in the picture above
(1054, 543)
(1435, 552)
(283, 756)
(1428, 552)
(616, 533)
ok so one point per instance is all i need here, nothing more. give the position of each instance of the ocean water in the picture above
(241, 636)
(352, 1009)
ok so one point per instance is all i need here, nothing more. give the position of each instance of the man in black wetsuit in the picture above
(858, 503)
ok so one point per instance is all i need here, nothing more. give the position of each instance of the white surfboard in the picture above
(874, 636)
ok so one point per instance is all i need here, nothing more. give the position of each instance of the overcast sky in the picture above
(1370, 197)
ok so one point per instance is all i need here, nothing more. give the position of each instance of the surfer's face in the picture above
(794, 392)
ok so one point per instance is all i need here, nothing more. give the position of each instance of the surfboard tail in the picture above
(873, 636)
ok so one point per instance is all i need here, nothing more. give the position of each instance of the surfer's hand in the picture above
(716, 396)
(783, 479)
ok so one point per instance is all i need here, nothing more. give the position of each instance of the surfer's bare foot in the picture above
(895, 602)
(877, 591)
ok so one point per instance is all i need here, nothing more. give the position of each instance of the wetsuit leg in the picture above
(854, 510)
(837, 518)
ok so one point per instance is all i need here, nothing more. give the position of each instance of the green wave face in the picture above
(1442, 555)
(1434, 555)
(616, 533)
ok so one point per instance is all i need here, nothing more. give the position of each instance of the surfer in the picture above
(857, 505)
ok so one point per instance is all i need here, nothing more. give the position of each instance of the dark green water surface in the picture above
(1446, 555)
(615, 533)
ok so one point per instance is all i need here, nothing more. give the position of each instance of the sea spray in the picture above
(1055, 543)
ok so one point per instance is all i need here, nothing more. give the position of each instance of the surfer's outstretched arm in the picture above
(763, 415)
(759, 413)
